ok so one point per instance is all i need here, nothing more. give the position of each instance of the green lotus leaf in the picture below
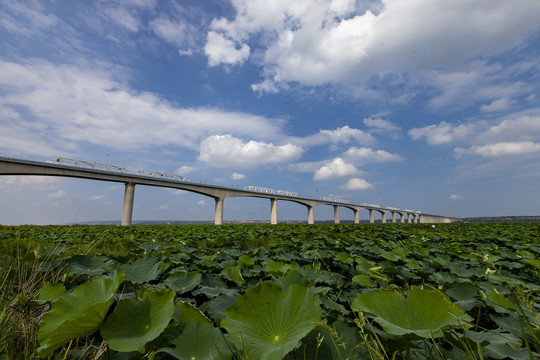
(267, 322)
(199, 341)
(138, 321)
(364, 281)
(394, 255)
(184, 312)
(464, 295)
(142, 270)
(500, 303)
(533, 262)
(78, 313)
(329, 343)
(500, 351)
(344, 258)
(245, 260)
(292, 277)
(276, 268)
(217, 306)
(183, 281)
(50, 293)
(88, 265)
(233, 273)
(424, 313)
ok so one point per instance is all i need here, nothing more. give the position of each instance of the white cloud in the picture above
(56, 194)
(163, 207)
(97, 197)
(501, 149)
(523, 126)
(455, 197)
(238, 176)
(26, 20)
(365, 154)
(318, 42)
(224, 51)
(230, 152)
(335, 169)
(184, 170)
(356, 184)
(179, 33)
(478, 82)
(33, 181)
(381, 126)
(442, 133)
(201, 203)
(344, 134)
(497, 105)
(71, 104)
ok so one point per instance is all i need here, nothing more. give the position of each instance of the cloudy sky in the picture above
(431, 105)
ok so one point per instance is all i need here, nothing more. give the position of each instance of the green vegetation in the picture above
(370, 291)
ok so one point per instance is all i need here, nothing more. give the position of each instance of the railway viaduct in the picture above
(11, 166)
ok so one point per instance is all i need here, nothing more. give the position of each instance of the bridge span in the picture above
(11, 166)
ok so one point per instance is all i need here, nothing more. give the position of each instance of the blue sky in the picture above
(430, 105)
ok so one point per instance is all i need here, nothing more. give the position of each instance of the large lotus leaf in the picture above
(424, 313)
(183, 281)
(184, 312)
(500, 351)
(142, 270)
(88, 265)
(245, 260)
(533, 262)
(78, 313)
(340, 341)
(138, 321)
(292, 277)
(217, 306)
(364, 281)
(199, 341)
(50, 293)
(233, 273)
(268, 322)
(464, 295)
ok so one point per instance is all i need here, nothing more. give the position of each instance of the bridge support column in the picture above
(356, 216)
(383, 217)
(393, 217)
(336, 214)
(310, 217)
(371, 216)
(273, 211)
(416, 218)
(218, 214)
(127, 212)
(402, 218)
(409, 218)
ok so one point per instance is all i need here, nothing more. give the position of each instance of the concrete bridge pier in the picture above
(310, 216)
(393, 217)
(383, 217)
(336, 214)
(371, 216)
(127, 212)
(273, 211)
(356, 216)
(218, 214)
(402, 218)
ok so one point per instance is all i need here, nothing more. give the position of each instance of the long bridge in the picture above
(119, 174)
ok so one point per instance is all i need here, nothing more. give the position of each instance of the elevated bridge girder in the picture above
(9, 166)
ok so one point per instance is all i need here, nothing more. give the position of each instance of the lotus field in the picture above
(270, 292)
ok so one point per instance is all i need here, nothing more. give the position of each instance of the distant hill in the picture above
(481, 219)
(502, 219)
